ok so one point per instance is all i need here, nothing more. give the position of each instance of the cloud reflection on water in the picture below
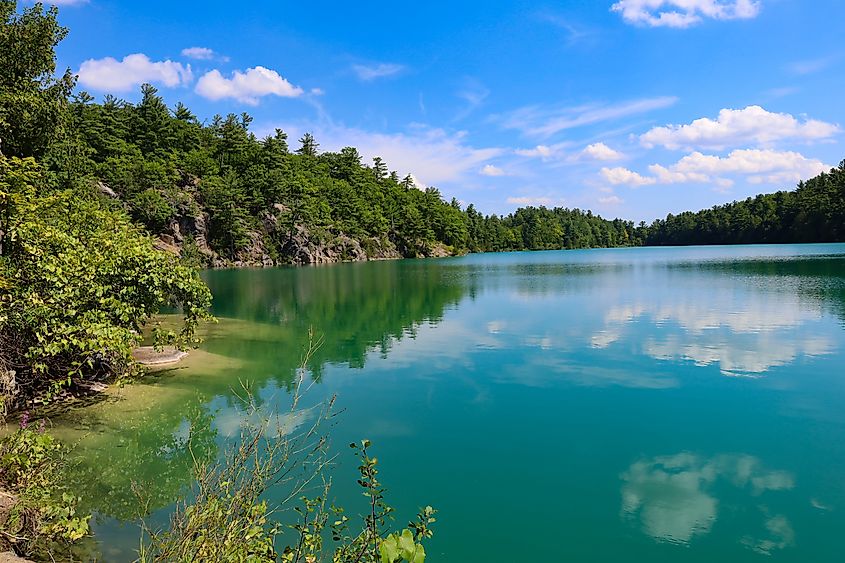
(744, 333)
(673, 497)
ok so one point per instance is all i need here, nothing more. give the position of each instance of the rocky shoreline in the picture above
(273, 242)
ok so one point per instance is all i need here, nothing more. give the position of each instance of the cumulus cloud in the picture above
(380, 70)
(600, 151)
(758, 166)
(247, 87)
(755, 162)
(490, 170)
(684, 13)
(736, 127)
(619, 176)
(434, 155)
(540, 122)
(111, 75)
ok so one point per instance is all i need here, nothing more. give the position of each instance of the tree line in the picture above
(164, 163)
(813, 212)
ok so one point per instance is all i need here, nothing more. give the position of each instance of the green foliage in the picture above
(539, 228)
(79, 284)
(814, 212)
(32, 101)
(151, 208)
(397, 548)
(44, 519)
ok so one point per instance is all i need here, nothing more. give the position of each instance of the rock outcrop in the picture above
(271, 242)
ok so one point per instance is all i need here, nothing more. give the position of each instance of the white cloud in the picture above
(674, 497)
(474, 93)
(735, 127)
(381, 70)
(575, 32)
(664, 175)
(684, 13)
(247, 87)
(619, 175)
(202, 54)
(788, 164)
(544, 152)
(611, 200)
(758, 166)
(434, 155)
(111, 75)
(534, 121)
(490, 170)
(600, 151)
(812, 66)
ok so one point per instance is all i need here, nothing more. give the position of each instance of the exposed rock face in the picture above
(106, 191)
(253, 255)
(9, 557)
(302, 248)
(149, 356)
(270, 244)
(439, 251)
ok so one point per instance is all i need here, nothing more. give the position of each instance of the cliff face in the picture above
(271, 243)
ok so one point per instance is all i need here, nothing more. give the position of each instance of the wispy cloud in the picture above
(474, 93)
(812, 66)
(611, 200)
(374, 71)
(543, 122)
(575, 33)
(545, 152)
(203, 54)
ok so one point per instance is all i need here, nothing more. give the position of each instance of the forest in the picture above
(218, 195)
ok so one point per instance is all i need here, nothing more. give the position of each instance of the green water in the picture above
(608, 405)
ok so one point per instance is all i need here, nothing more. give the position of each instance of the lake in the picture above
(644, 404)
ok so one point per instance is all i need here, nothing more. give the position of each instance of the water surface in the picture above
(604, 405)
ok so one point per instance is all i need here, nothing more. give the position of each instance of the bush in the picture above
(152, 209)
(78, 283)
(43, 520)
(229, 517)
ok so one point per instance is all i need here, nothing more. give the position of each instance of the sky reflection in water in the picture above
(635, 404)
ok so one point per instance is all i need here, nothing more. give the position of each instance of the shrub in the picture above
(44, 518)
(78, 282)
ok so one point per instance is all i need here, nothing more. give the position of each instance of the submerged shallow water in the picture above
(679, 404)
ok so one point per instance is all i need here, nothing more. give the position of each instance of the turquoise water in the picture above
(605, 405)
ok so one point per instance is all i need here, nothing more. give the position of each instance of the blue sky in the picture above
(631, 108)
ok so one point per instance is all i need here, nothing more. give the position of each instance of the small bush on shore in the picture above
(43, 520)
